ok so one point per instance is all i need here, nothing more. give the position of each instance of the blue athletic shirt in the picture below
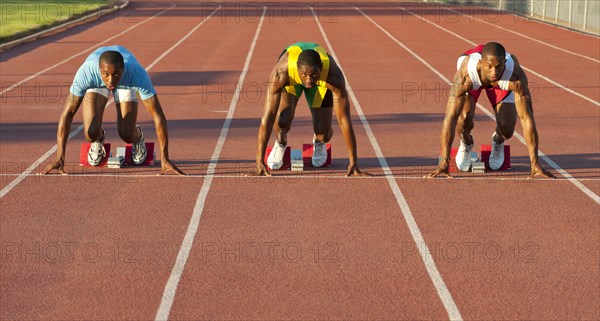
(134, 75)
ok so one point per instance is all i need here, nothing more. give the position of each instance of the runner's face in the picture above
(309, 75)
(492, 68)
(111, 75)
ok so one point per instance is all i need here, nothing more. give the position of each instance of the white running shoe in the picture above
(319, 156)
(96, 152)
(138, 150)
(497, 154)
(463, 156)
(275, 159)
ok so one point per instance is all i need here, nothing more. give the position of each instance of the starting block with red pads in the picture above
(452, 163)
(287, 159)
(486, 150)
(83, 155)
(307, 152)
(149, 158)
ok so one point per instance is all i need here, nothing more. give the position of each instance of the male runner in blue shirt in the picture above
(112, 69)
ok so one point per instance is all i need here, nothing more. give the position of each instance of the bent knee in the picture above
(506, 131)
(466, 117)
(284, 120)
(93, 133)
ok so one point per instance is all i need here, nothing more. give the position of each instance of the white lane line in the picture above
(525, 36)
(547, 159)
(39, 73)
(339, 175)
(563, 172)
(434, 274)
(43, 158)
(569, 90)
(27, 172)
(164, 54)
(171, 287)
(96, 14)
(538, 20)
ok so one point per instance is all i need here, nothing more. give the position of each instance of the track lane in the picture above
(528, 28)
(380, 245)
(42, 101)
(156, 240)
(468, 200)
(537, 59)
(300, 286)
(553, 102)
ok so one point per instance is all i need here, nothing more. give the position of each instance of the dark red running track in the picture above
(105, 244)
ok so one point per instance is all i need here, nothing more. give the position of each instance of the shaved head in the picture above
(493, 49)
(310, 58)
(112, 66)
(113, 58)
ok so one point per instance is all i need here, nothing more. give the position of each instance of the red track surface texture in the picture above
(127, 244)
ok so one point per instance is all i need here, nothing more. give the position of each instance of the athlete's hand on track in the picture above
(166, 166)
(538, 171)
(58, 165)
(354, 171)
(441, 170)
(261, 170)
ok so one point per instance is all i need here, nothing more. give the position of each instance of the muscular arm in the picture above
(341, 106)
(456, 101)
(277, 82)
(160, 123)
(461, 84)
(337, 84)
(520, 88)
(62, 134)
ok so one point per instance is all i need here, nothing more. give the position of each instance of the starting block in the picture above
(486, 150)
(128, 160)
(307, 152)
(297, 160)
(83, 154)
(452, 168)
(452, 163)
(478, 167)
(286, 157)
(118, 160)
